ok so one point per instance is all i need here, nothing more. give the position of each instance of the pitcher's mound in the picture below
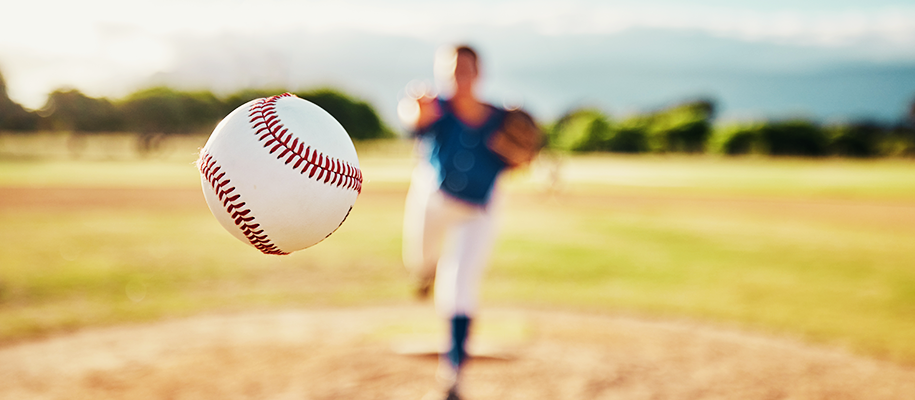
(389, 353)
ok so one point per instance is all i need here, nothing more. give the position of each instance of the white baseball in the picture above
(280, 174)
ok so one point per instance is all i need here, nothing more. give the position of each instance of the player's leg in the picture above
(457, 286)
(423, 229)
(462, 266)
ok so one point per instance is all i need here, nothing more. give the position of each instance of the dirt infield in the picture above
(359, 354)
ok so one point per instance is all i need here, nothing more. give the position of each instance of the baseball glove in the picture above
(518, 140)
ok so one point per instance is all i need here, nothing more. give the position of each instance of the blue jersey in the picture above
(465, 167)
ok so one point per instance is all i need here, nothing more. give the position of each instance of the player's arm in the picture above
(417, 114)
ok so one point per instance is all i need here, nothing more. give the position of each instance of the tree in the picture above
(12, 115)
(71, 110)
(357, 117)
(164, 110)
(858, 139)
(794, 138)
(685, 127)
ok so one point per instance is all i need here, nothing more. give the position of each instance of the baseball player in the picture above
(448, 223)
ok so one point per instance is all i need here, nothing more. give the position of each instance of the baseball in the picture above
(280, 174)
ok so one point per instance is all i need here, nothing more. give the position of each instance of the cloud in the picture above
(109, 48)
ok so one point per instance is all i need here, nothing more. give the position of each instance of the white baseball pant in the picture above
(449, 238)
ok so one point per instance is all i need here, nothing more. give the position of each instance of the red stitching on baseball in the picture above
(211, 172)
(267, 125)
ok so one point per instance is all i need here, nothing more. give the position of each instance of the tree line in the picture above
(688, 128)
(166, 111)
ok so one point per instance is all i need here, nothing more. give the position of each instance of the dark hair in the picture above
(468, 51)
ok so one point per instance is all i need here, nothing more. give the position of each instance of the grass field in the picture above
(819, 249)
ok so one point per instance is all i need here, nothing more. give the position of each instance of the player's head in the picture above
(467, 67)
(457, 68)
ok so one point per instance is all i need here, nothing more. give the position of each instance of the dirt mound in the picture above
(386, 353)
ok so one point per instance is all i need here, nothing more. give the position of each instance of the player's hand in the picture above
(429, 111)
(418, 108)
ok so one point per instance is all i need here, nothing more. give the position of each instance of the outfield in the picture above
(817, 249)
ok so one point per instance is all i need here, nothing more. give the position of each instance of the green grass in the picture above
(829, 281)
(820, 249)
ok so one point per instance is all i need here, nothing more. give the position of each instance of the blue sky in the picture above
(825, 59)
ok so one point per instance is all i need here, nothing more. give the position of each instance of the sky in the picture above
(757, 59)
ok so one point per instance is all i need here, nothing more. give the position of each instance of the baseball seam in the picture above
(235, 207)
(280, 140)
